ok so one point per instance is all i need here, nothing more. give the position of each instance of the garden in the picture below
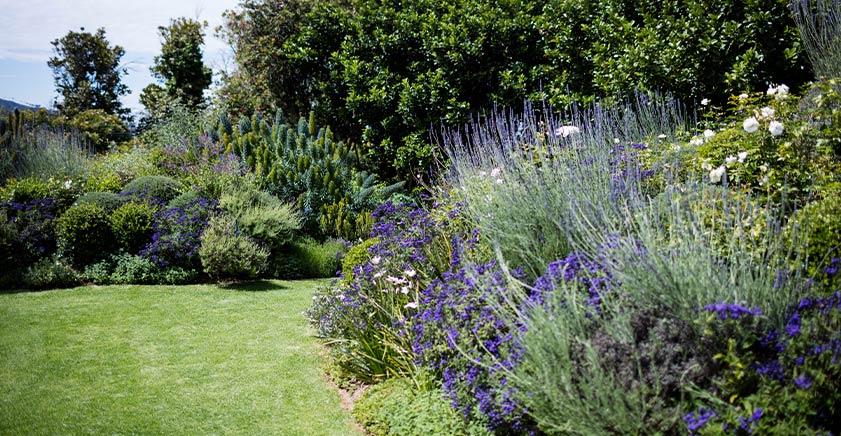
(540, 219)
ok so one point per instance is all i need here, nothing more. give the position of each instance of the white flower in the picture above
(742, 156)
(483, 173)
(496, 172)
(661, 136)
(378, 274)
(705, 102)
(411, 305)
(696, 141)
(743, 96)
(499, 181)
(396, 280)
(751, 125)
(376, 260)
(706, 166)
(615, 140)
(404, 290)
(771, 90)
(782, 92)
(767, 112)
(776, 128)
(708, 134)
(566, 131)
(410, 273)
(716, 174)
(729, 159)
(67, 184)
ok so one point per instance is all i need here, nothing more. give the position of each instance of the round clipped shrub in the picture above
(184, 199)
(226, 252)
(156, 189)
(131, 224)
(84, 234)
(107, 200)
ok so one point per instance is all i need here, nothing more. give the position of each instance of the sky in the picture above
(29, 27)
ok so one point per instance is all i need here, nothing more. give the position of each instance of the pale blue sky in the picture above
(29, 27)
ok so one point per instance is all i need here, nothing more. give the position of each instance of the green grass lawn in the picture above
(189, 360)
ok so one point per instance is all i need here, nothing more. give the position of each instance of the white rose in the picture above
(716, 174)
(767, 112)
(751, 125)
(776, 128)
(742, 156)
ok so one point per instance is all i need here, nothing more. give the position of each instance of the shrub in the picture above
(44, 152)
(395, 407)
(64, 191)
(131, 224)
(305, 258)
(184, 199)
(121, 269)
(109, 201)
(226, 252)
(49, 273)
(84, 234)
(817, 226)
(157, 189)
(102, 130)
(261, 215)
(177, 234)
(310, 169)
(28, 231)
(357, 255)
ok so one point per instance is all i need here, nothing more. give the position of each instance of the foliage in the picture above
(84, 234)
(110, 172)
(107, 200)
(308, 168)
(179, 65)
(28, 231)
(64, 191)
(132, 269)
(394, 407)
(131, 224)
(305, 258)
(819, 23)
(87, 73)
(226, 252)
(388, 72)
(260, 215)
(49, 273)
(357, 255)
(99, 129)
(177, 232)
(817, 226)
(154, 189)
(38, 150)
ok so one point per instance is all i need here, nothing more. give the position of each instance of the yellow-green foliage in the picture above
(357, 255)
(228, 253)
(131, 224)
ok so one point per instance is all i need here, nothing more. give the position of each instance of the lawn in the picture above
(164, 360)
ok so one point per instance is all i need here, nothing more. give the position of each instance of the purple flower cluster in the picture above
(588, 275)
(460, 334)
(732, 311)
(199, 156)
(32, 221)
(177, 234)
(697, 419)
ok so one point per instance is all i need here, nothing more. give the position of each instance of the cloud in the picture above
(25, 55)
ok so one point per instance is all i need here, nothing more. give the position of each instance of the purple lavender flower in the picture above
(803, 382)
(733, 311)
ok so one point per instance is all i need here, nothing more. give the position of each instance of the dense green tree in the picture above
(385, 72)
(179, 67)
(88, 74)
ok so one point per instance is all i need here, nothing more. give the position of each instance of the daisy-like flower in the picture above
(751, 125)
(717, 174)
(68, 184)
(410, 273)
(376, 260)
(411, 305)
(776, 128)
(742, 155)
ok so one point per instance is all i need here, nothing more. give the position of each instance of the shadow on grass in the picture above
(255, 286)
